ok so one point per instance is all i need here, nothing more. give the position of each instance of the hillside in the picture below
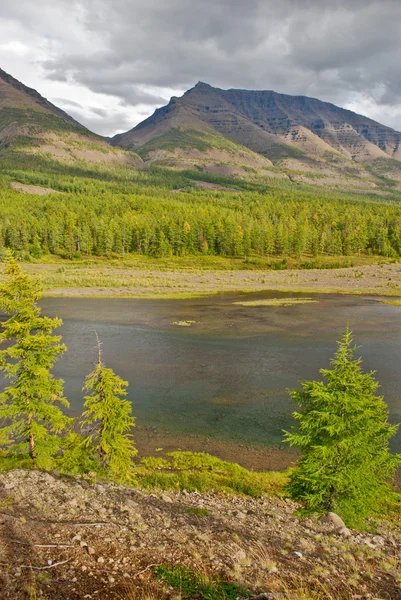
(31, 126)
(175, 135)
(64, 538)
(296, 134)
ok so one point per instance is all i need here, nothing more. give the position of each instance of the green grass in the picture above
(197, 471)
(37, 121)
(191, 139)
(198, 512)
(192, 584)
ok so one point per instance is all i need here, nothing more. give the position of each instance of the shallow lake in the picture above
(219, 383)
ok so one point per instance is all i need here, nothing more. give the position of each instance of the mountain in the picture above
(291, 132)
(31, 126)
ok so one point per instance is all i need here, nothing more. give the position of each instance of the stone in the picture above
(166, 498)
(333, 519)
(344, 531)
(100, 559)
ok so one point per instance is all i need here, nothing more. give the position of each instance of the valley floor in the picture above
(169, 279)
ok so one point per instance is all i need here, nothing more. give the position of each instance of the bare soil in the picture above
(32, 189)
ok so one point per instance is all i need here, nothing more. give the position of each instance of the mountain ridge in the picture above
(252, 117)
(30, 125)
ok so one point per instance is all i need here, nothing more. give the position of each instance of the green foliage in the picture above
(32, 421)
(343, 435)
(198, 512)
(36, 121)
(192, 584)
(103, 210)
(107, 422)
(77, 457)
(176, 138)
(197, 471)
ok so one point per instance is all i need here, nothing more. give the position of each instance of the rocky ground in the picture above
(68, 539)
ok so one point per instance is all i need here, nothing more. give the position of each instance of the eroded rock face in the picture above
(75, 540)
(274, 125)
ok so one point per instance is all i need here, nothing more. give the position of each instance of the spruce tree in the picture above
(343, 434)
(107, 422)
(29, 407)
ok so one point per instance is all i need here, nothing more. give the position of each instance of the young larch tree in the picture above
(343, 434)
(30, 406)
(107, 422)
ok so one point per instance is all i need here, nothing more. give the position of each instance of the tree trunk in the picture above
(32, 449)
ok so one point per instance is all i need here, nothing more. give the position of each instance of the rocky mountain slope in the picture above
(66, 538)
(293, 133)
(31, 125)
(252, 135)
(274, 125)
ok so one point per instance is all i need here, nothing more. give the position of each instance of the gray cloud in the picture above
(344, 51)
(66, 102)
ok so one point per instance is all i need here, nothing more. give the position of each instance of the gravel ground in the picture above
(68, 539)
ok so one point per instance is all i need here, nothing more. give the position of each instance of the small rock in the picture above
(240, 555)
(100, 559)
(298, 554)
(344, 531)
(166, 498)
(333, 519)
(91, 550)
(111, 579)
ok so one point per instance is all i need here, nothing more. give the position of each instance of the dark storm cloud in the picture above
(142, 51)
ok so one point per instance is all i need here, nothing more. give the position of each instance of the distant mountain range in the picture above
(222, 132)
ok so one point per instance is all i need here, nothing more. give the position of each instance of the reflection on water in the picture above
(224, 376)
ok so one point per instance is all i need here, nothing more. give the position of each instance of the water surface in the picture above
(223, 378)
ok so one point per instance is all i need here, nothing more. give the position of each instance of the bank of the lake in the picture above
(140, 277)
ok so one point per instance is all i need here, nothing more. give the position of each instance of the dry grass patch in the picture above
(276, 302)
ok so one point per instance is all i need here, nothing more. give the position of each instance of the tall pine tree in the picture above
(107, 422)
(29, 407)
(343, 434)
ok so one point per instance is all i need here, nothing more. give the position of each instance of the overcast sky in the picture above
(110, 63)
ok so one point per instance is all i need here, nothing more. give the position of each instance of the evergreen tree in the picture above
(107, 422)
(343, 434)
(29, 411)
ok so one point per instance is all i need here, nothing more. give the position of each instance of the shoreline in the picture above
(253, 457)
(203, 276)
(110, 282)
